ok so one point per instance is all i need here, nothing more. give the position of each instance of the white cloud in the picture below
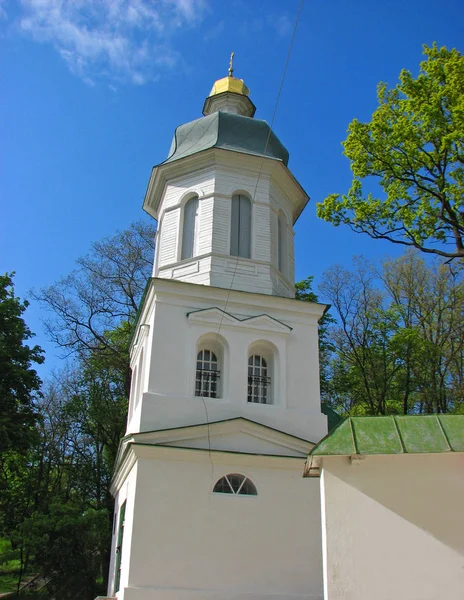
(122, 40)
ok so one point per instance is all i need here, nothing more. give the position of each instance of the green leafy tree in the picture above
(413, 148)
(67, 542)
(399, 337)
(304, 292)
(19, 382)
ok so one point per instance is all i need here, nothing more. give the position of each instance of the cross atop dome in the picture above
(229, 94)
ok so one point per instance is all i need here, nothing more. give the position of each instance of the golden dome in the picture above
(229, 84)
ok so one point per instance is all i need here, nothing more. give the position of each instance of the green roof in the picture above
(409, 434)
(228, 131)
(333, 418)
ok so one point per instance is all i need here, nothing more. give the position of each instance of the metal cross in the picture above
(231, 64)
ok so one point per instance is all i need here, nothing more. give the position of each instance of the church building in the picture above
(225, 405)
(227, 484)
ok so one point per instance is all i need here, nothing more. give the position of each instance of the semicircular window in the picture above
(237, 484)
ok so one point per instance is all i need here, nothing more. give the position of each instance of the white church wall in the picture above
(393, 527)
(210, 265)
(169, 399)
(190, 543)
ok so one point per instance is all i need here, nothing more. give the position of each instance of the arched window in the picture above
(259, 382)
(282, 243)
(189, 229)
(235, 484)
(240, 227)
(207, 374)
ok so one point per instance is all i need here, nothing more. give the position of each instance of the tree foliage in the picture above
(399, 337)
(413, 148)
(19, 382)
(57, 505)
(304, 292)
(104, 291)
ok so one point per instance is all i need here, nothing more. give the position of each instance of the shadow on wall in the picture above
(426, 490)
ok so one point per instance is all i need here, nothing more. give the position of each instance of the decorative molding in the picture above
(215, 315)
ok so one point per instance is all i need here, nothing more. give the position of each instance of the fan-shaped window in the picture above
(207, 374)
(240, 226)
(235, 484)
(189, 229)
(259, 381)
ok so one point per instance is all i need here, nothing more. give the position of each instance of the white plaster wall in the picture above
(394, 527)
(190, 543)
(169, 400)
(210, 266)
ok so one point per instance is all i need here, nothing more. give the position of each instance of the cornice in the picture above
(180, 292)
(261, 322)
(165, 172)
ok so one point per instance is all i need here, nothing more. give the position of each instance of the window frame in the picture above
(187, 253)
(259, 380)
(282, 243)
(241, 223)
(119, 546)
(238, 491)
(210, 383)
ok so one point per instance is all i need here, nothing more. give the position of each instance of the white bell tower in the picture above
(225, 401)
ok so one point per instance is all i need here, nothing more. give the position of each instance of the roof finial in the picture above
(231, 64)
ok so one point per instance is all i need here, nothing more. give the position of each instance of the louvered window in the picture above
(189, 229)
(240, 229)
(122, 516)
(282, 243)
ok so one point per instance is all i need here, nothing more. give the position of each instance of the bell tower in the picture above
(225, 401)
(225, 200)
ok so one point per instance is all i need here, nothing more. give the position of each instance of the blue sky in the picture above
(92, 91)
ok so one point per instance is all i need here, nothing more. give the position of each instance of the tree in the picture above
(19, 382)
(304, 292)
(398, 344)
(429, 301)
(67, 542)
(103, 292)
(413, 148)
(364, 366)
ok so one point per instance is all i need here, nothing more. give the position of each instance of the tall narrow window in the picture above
(189, 230)
(258, 380)
(282, 242)
(139, 379)
(207, 375)
(117, 577)
(240, 227)
(133, 392)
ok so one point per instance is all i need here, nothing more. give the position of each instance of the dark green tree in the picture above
(304, 292)
(19, 382)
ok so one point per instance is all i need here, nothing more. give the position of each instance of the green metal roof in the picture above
(409, 434)
(229, 131)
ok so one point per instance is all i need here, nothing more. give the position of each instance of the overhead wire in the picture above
(229, 291)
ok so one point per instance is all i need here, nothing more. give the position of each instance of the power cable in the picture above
(284, 73)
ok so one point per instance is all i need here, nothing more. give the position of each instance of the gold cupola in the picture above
(229, 94)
